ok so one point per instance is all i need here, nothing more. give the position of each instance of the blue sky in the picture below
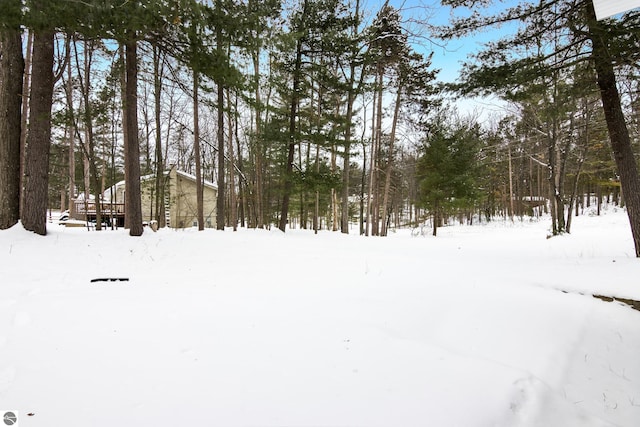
(447, 55)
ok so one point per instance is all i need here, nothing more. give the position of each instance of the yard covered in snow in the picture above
(488, 325)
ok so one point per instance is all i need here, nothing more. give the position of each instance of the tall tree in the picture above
(300, 29)
(92, 177)
(389, 45)
(197, 151)
(413, 83)
(132, 153)
(447, 170)
(259, 16)
(601, 40)
(11, 70)
(158, 69)
(36, 185)
(356, 72)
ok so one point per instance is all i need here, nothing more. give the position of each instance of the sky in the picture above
(448, 56)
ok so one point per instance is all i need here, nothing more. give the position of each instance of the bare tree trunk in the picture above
(389, 172)
(242, 183)
(375, 160)
(232, 179)
(197, 153)
(511, 210)
(26, 94)
(70, 132)
(220, 202)
(259, 157)
(574, 196)
(436, 217)
(363, 182)
(132, 152)
(346, 165)
(316, 209)
(36, 186)
(352, 92)
(125, 131)
(371, 166)
(293, 113)
(11, 81)
(90, 167)
(159, 184)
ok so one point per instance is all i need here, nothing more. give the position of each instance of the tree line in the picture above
(314, 113)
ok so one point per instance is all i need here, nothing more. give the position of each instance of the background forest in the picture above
(321, 114)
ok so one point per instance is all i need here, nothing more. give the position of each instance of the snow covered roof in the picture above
(107, 193)
(193, 178)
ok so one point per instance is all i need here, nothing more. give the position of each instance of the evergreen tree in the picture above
(447, 170)
(36, 183)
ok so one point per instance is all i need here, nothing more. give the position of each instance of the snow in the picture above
(488, 325)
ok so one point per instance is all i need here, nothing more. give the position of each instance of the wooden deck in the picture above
(86, 211)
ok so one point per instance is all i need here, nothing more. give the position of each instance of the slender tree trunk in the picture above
(232, 179)
(346, 165)
(436, 217)
(26, 93)
(352, 92)
(242, 199)
(574, 196)
(389, 172)
(372, 154)
(197, 152)
(11, 80)
(375, 160)
(132, 152)
(363, 181)
(90, 166)
(159, 184)
(334, 194)
(259, 155)
(293, 113)
(220, 202)
(511, 209)
(316, 210)
(618, 132)
(125, 131)
(71, 137)
(34, 213)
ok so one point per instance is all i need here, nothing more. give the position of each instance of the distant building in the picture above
(179, 204)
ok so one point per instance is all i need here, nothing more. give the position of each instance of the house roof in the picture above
(193, 178)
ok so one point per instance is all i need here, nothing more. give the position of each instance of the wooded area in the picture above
(317, 114)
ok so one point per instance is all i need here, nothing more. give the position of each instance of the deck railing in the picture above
(82, 207)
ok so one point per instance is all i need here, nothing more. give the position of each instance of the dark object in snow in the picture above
(110, 279)
(624, 301)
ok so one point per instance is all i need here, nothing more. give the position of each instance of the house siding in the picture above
(182, 194)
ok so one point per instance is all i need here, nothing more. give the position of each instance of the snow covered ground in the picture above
(490, 325)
